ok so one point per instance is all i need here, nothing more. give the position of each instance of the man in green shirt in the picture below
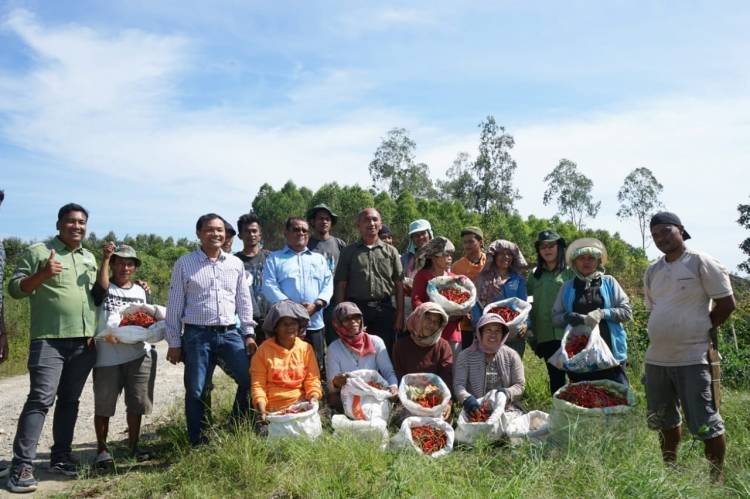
(57, 278)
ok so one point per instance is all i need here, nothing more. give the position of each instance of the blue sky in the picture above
(151, 113)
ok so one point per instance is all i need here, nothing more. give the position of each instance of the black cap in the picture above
(230, 232)
(384, 231)
(669, 218)
(548, 236)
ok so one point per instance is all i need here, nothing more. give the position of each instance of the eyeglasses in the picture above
(300, 229)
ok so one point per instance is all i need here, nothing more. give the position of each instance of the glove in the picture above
(593, 317)
(471, 404)
(574, 319)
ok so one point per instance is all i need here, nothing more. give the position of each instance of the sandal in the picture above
(104, 462)
(141, 455)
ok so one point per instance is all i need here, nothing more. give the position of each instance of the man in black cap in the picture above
(689, 295)
(386, 235)
(322, 219)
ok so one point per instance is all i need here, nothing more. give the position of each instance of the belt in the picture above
(374, 303)
(213, 329)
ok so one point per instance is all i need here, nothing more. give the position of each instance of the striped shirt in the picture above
(473, 375)
(208, 293)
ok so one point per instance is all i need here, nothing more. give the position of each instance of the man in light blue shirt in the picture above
(296, 273)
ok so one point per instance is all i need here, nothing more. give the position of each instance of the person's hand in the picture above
(144, 285)
(522, 329)
(339, 380)
(261, 408)
(593, 317)
(108, 248)
(398, 323)
(447, 412)
(311, 308)
(250, 346)
(574, 319)
(394, 390)
(174, 355)
(4, 351)
(53, 267)
(314, 399)
(471, 404)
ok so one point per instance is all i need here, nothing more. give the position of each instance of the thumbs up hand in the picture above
(53, 267)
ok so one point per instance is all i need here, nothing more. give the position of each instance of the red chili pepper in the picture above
(575, 344)
(377, 385)
(508, 314)
(428, 438)
(455, 295)
(481, 415)
(591, 396)
(138, 319)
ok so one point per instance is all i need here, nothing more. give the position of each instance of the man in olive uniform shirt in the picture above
(57, 278)
(369, 273)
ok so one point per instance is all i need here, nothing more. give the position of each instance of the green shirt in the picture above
(370, 273)
(62, 307)
(544, 290)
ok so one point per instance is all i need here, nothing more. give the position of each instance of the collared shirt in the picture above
(207, 292)
(301, 277)
(254, 268)
(370, 272)
(62, 306)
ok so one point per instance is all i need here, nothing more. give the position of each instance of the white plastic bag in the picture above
(414, 383)
(364, 402)
(522, 307)
(567, 419)
(403, 439)
(492, 429)
(532, 426)
(596, 356)
(460, 283)
(302, 424)
(114, 333)
(375, 430)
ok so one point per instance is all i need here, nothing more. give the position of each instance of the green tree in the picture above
(571, 190)
(393, 168)
(639, 198)
(494, 169)
(274, 207)
(744, 221)
(460, 185)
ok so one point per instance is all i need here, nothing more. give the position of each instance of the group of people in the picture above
(291, 324)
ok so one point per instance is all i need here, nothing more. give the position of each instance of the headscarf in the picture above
(361, 344)
(483, 321)
(489, 281)
(417, 226)
(587, 246)
(414, 323)
(286, 308)
(434, 247)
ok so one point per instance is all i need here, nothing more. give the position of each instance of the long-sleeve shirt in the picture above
(280, 377)
(474, 375)
(340, 359)
(207, 292)
(62, 306)
(301, 277)
(410, 358)
(452, 330)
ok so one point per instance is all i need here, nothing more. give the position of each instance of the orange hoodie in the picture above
(281, 377)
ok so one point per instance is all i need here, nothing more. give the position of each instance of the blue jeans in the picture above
(58, 368)
(201, 350)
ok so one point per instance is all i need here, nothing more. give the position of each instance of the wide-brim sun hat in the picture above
(585, 242)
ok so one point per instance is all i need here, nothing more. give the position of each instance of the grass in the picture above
(619, 463)
(17, 325)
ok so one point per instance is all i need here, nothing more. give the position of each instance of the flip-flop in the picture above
(141, 455)
(104, 462)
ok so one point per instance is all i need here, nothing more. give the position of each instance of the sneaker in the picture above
(22, 479)
(64, 467)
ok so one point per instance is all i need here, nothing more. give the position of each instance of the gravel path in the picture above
(168, 390)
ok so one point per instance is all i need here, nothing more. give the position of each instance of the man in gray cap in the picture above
(689, 295)
(120, 367)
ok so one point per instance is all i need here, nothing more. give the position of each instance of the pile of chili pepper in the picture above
(455, 295)
(575, 344)
(591, 396)
(376, 385)
(137, 319)
(429, 439)
(481, 415)
(292, 410)
(428, 396)
(508, 314)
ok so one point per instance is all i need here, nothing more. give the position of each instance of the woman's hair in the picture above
(541, 264)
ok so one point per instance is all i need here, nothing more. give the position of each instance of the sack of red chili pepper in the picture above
(365, 396)
(298, 420)
(519, 311)
(456, 294)
(429, 436)
(608, 402)
(135, 324)
(485, 423)
(590, 351)
(424, 394)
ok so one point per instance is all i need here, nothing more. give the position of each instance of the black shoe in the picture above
(64, 467)
(22, 479)
(4, 470)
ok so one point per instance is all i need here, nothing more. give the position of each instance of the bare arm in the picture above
(340, 291)
(723, 308)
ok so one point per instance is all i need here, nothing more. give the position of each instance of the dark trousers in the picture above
(556, 376)
(378, 318)
(616, 373)
(519, 345)
(315, 338)
(58, 369)
(467, 338)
